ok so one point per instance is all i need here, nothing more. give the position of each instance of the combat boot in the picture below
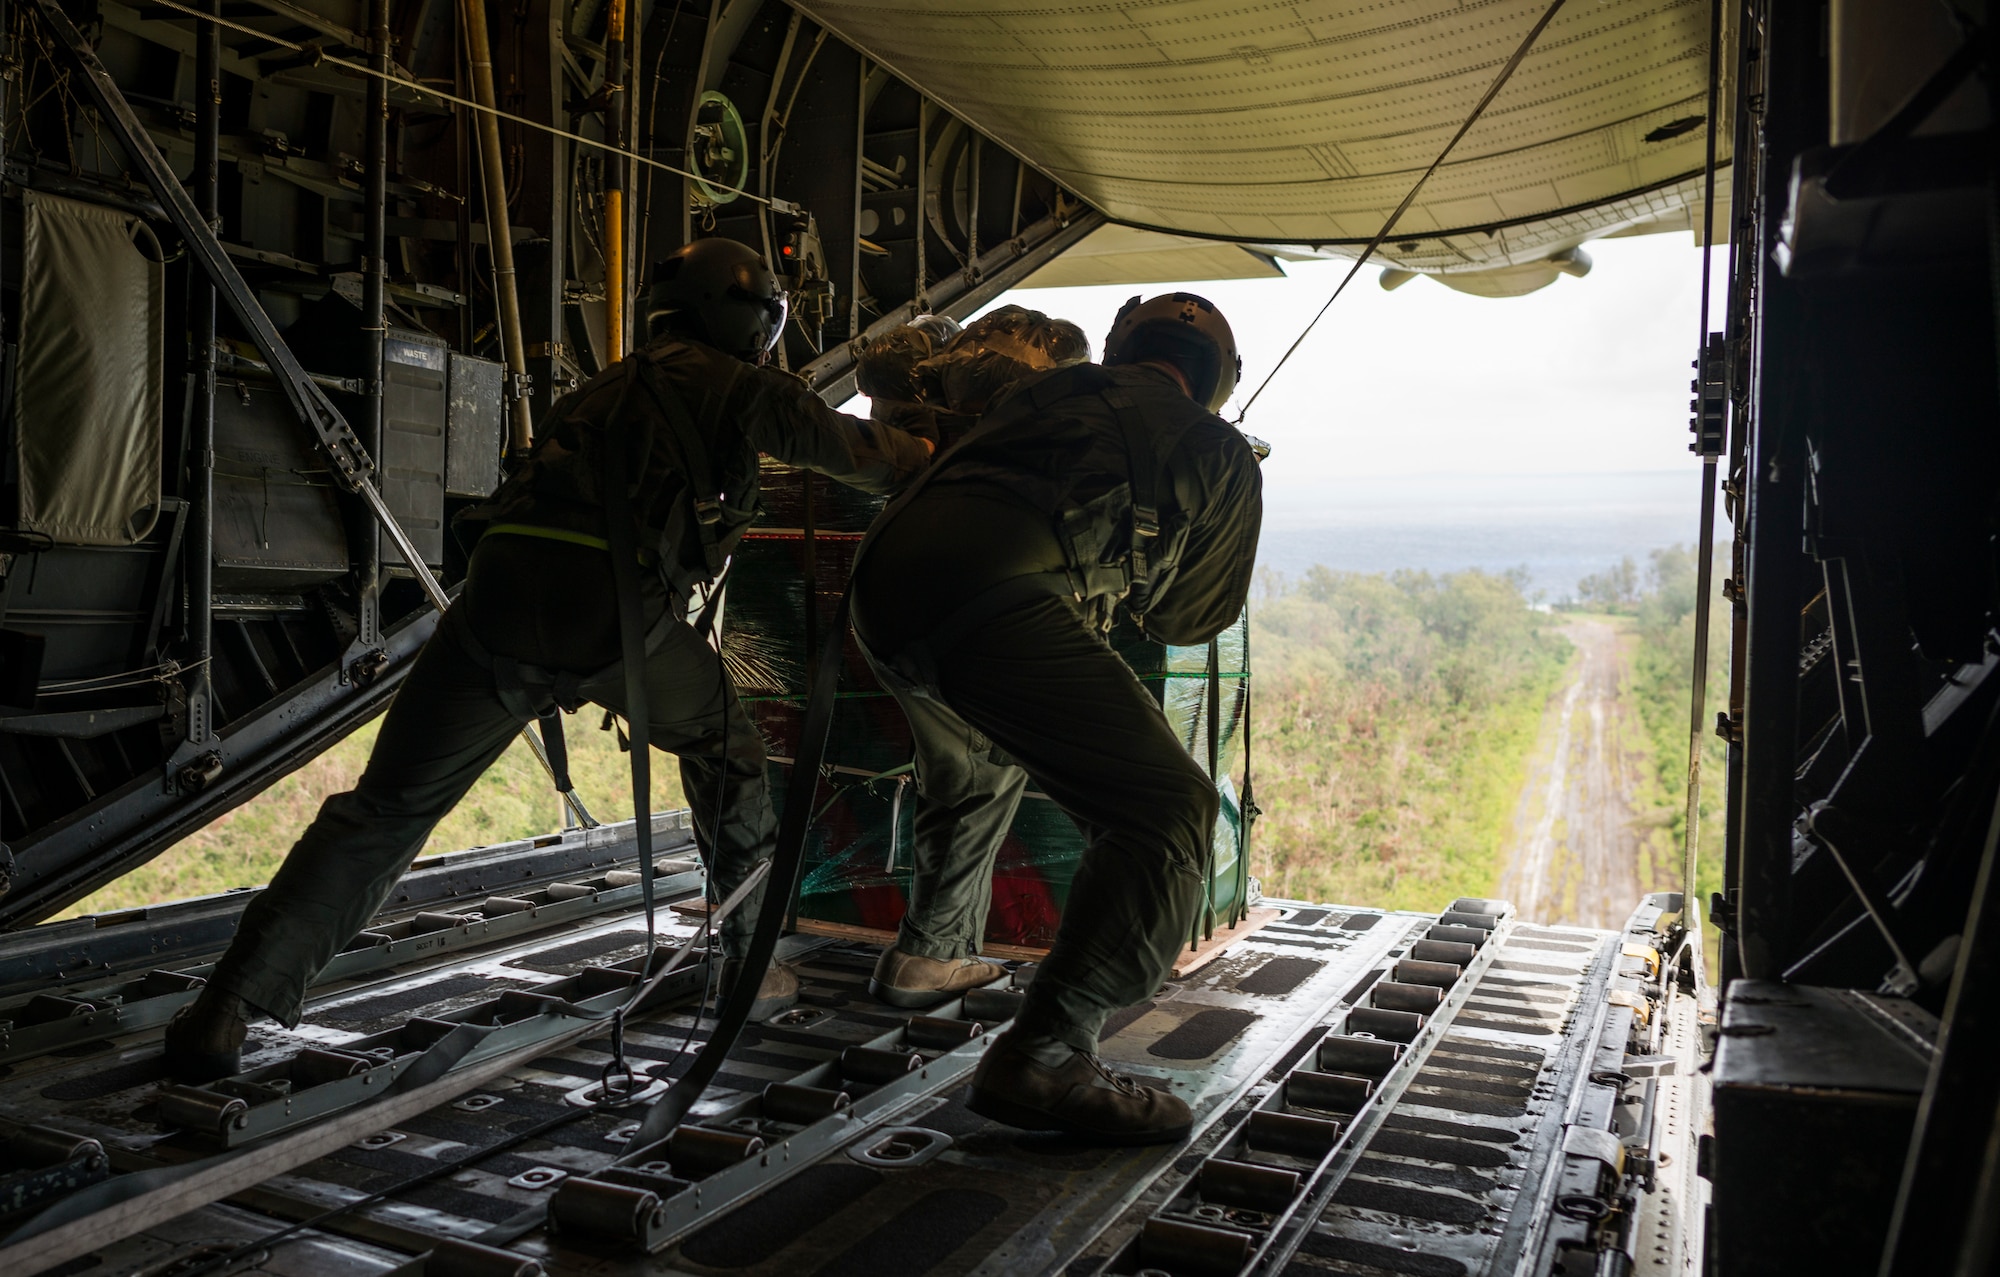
(1019, 1084)
(778, 990)
(906, 980)
(204, 1040)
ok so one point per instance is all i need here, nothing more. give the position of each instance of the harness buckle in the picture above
(1145, 521)
(707, 511)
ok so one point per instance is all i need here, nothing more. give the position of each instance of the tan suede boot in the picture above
(1078, 1097)
(777, 991)
(906, 980)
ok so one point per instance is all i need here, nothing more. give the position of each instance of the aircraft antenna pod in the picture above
(718, 151)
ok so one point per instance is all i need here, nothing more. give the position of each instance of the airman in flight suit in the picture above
(1087, 489)
(538, 621)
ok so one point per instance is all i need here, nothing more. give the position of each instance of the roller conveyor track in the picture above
(1310, 1156)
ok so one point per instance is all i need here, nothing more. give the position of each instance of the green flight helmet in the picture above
(1183, 330)
(720, 292)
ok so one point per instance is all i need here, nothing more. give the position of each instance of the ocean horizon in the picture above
(1559, 528)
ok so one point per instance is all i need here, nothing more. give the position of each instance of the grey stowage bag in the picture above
(87, 399)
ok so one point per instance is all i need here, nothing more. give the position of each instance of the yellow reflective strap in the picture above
(550, 534)
(646, 557)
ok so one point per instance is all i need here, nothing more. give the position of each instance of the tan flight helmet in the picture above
(1182, 329)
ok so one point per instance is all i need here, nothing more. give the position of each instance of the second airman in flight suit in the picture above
(1087, 489)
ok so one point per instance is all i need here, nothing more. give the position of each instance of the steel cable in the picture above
(320, 56)
(1506, 73)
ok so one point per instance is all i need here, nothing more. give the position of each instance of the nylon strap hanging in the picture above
(620, 529)
(1145, 443)
(1705, 564)
(1142, 469)
(691, 454)
(556, 745)
(1248, 812)
(787, 860)
(1214, 699)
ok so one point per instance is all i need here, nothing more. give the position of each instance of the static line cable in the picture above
(1506, 73)
(319, 56)
(1705, 564)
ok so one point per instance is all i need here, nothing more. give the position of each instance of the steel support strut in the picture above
(201, 424)
(347, 458)
(374, 277)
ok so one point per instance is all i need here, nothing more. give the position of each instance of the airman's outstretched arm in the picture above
(786, 420)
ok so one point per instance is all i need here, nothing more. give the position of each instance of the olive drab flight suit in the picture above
(539, 597)
(981, 597)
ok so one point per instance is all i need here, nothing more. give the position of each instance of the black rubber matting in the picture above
(392, 1163)
(1527, 1012)
(1444, 1058)
(1431, 1076)
(1516, 942)
(1437, 1148)
(1510, 1024)
(1278, 977)
(919, 1237)
(1203, 1034)
(410, 999)
(1532, 968)
(1441, 1126)
(762, 1227)
(1435, 1176)
(1465, 1102)
(1353, 996)
(1359, 921)
(559, 957)
(462, 1128)
(1119, 1021)
(1466, 1046)
(1539, 1001)
(456, 1201)
(1348, 1251)
(1306, 918)
(1397, 1200)
(119, 1077)
(1294, 1053)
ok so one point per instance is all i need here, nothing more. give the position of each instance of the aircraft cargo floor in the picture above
(1432, 1095)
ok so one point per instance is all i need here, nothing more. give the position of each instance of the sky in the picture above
(1586, 376)
(1432, 430)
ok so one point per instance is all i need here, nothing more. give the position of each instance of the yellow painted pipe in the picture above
(614, 184)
